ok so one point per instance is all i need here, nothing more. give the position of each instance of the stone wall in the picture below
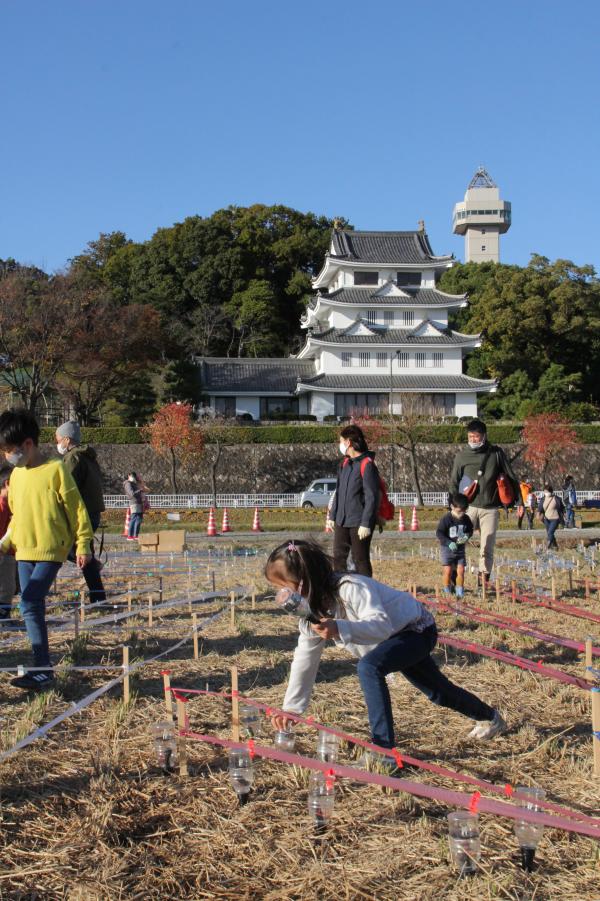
(287, 468)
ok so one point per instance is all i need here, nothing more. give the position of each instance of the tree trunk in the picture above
(173, 471)
(412, 451)
(213, 472)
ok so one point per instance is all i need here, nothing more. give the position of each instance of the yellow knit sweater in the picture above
(48, 515)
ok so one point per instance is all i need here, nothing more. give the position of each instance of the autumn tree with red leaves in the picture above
(549, 441)
(173, 435)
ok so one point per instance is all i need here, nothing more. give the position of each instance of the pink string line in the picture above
(501, 621)
(435, 768)
(447, 796)
(506, 657)
(568, 609)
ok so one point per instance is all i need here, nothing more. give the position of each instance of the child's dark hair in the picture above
(16, 426)
(459, 500)
(5, 472)
(356, 437)
(307, 562)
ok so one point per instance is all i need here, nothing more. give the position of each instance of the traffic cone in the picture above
(256, 526)
(211, 529)
(226, 527)
(414, 526)
(401, 523)
(126, 526)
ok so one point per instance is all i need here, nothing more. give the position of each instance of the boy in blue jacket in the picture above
(453, 531)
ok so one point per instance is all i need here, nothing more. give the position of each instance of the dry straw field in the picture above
(87, 814)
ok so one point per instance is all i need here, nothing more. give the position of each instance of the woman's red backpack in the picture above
(386, 510)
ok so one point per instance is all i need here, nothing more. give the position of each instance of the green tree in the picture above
(182, 382)
(254, 321)
(133, 404)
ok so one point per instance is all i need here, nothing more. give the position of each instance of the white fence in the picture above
(204, 501)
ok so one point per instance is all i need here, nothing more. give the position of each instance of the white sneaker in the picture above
(391, 678)
(485, 729)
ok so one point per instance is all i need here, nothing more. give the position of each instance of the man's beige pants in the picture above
(487, 523)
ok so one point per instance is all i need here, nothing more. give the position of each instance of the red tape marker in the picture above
(397, 758)
(474, 802)
(251, 749)
(509, 790)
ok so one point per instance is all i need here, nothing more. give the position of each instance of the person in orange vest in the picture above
(525, 507)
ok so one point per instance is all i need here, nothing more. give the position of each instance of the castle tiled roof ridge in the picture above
(383, 335)
(392, 247)
(415, 296)
(369, 383)
(231, 374)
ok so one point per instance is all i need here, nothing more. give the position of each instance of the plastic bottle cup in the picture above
(241, 772)
(285, 739)
(528, 834)
(250, 721)
(320, 800)
(327, 747)
(165, 745)
(463, 839)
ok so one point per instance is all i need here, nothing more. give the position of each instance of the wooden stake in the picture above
(82, 608)
(232, 608)
(160, 589)
(586, 582)
(150, 606)
(570, 574)
(254, 600)
(129, 597)
(588, 653)
(168, 696)
(595, 692)
(437, 592)
(76, 620)
(214, 581)
(553, 584)
(126, 686)
(195, 636)
(497, 590)
(513, 591)
(182, 724)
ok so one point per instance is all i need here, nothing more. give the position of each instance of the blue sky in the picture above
(133, 114)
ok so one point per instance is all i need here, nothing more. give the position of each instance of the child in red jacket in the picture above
(8, 564)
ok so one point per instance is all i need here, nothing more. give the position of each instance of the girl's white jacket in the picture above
(373, 612)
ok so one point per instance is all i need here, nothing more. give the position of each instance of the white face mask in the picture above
(343, 448)
(475, 445)
(17, 458)
(62, 449)
(293, 602)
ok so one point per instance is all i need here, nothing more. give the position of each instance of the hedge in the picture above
(447, 433)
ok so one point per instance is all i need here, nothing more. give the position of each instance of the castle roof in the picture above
(404, 296)
(372, 383)
(372, 334)
(229, 375)
(395, 248)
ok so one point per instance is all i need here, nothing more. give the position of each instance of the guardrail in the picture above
(204, 501)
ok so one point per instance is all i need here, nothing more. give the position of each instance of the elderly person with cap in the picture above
(82, 463)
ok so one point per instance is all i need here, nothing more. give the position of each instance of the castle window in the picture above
(371, 317)
(408, 317)
(366, 278)
(388, 318)
(381, 360)
(402, 360)
(364, 358)
(483, 246)
(438, 360)
(346, 358)
(408, 279)
(420, 360)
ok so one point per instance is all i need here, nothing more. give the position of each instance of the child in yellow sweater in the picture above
(48, 517)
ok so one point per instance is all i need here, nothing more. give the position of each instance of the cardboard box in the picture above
(171, 541)
(148, 542)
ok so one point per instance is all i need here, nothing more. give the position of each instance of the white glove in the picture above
(330, 525)
(363, 532)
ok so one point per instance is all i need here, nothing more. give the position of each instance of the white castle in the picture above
(376, 330)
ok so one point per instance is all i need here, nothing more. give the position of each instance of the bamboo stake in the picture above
(588, 653)
(235, 705)
(182, 724)
(150, 619)
(214, 581)
(232, 608)
(254, 600)
(126, 686)
(195, 636)
(595, 692)
(168, 696)
(553, 584)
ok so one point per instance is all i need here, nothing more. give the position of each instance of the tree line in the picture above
(115, 333)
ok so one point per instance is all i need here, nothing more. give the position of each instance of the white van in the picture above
(318, 493)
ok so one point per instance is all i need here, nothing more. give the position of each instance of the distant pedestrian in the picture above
(475, 473)
(135, 490)
(354, 510)
(82, 463)
(569, 498)
(552, 513)
(525, 506)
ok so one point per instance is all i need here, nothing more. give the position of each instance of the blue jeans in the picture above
(551, 527)
(569, 516)
(135, 522)
(35, 579)
(409, 653)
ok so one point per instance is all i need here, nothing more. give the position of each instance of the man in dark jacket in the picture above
(474, 473)
(354, 511)
(81, 461)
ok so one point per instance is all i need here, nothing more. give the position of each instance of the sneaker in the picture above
(459, 592)
(446, 593)
(485, 729)
(34, 681)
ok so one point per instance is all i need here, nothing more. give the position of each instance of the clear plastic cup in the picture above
(320, 799)
(328, 747)
(463, 839)
(285, 739)
(165, 745)
(250, 721)
(241, 772)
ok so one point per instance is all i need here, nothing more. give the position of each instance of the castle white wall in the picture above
(322, 404)
(466, 404)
